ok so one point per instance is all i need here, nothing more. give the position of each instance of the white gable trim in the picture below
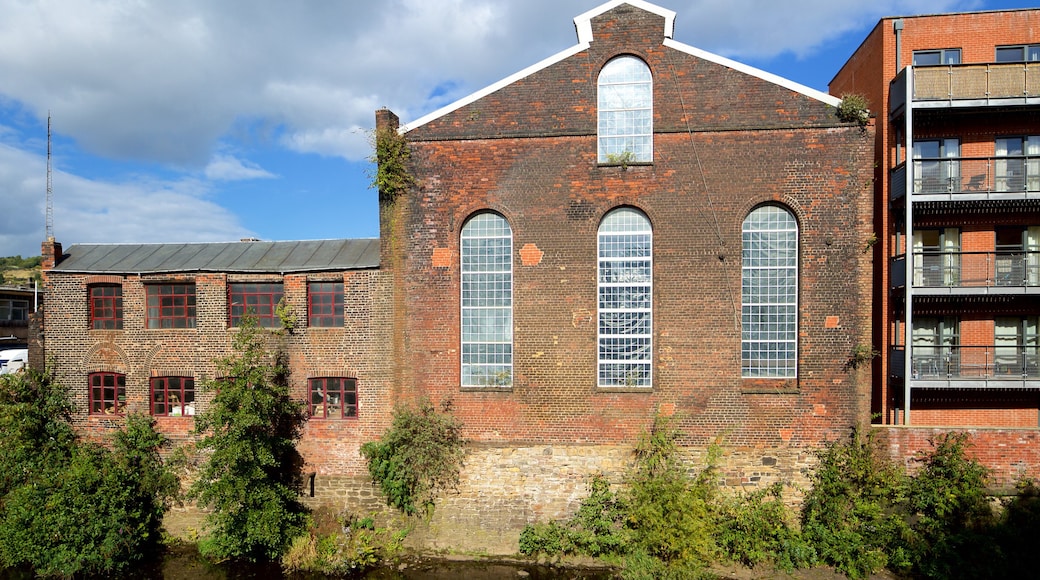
(752, 71)
(492, 88)
(583, 22)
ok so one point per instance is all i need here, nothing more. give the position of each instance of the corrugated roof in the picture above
(243, 257)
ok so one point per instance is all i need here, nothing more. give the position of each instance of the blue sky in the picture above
(212, 121)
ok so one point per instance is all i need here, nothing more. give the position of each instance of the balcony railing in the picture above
(1001, 268)
(970, 363)
(968, 82)
(969, 177)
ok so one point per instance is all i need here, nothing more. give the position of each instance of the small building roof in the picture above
(231, 257)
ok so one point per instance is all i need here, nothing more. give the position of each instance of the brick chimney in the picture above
(385, 118)
(50, 251)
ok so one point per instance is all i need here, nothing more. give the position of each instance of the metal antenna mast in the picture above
(50, 191)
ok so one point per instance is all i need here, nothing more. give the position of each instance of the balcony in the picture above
(967, 85)
(968, 273)
(969, 179)
(994, 366)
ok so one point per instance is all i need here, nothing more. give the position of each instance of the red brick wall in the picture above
(724, 142)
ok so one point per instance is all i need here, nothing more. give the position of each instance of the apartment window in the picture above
(935, 353)
(487, 301)
(937, 57)
(107, 393)
(1017, 165)
(14, 309)
(1017, 256)
(333, 398)
(325, 304)
(625, 289)
(769, 294)
(170, 306)
(1019, 53)
(625, 105)
(1016, 346)
(937, 167)
(259, 300)
(173, 396)
(937, 258)
(106, 307)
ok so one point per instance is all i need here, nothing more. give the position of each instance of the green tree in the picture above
(251, 474)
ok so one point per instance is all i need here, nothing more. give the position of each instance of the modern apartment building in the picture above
(957, 217)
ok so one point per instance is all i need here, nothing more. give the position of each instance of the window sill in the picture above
(625, 165)
(624, 389)
(769, 387)
(487, 389)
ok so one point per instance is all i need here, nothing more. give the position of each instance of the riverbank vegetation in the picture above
(864, 513)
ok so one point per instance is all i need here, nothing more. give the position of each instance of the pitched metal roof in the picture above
(232, 257)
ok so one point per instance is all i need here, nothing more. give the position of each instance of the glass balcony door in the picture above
(937, 166)
(1018, 164)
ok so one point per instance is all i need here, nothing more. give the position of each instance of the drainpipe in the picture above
(897, 27)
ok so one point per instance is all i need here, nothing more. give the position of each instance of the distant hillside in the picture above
(19, 271)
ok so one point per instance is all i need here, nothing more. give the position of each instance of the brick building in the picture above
(956, 181)
(631, 226)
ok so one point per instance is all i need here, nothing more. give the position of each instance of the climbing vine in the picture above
(391, 176)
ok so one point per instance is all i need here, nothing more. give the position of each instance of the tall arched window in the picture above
(626, 91)
(487, 302)
(625, 248)
(769, 294)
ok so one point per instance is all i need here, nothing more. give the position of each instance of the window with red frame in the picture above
(170, 306)
(325, 304)
(107, 393)
(106, 307)
(260, 300)
(333, 398)
(173, 396)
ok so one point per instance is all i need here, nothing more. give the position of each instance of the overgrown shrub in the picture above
(391, 175)
(251, 474)
(853, 516)
(420, 455)
(757, 528)
(68, 507)
(347, 546)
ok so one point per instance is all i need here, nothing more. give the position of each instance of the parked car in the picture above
(12, 360)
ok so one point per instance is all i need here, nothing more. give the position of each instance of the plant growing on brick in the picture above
(251, 474)
(391, 176)
(854, 108)
(419, 456)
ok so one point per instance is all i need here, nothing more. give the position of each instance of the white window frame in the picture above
(625, 108)
(624, 246)
(769, 314)
(486, 299)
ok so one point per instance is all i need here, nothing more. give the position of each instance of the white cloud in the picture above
(95, 211)
(228, 168)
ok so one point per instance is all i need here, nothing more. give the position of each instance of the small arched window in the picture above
(625, 105)
(487, 301)
(769, 294)
(625, 248)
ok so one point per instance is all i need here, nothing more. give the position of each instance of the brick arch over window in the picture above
(769, 293)
(486, 260)
(625, 99)
(625, 299)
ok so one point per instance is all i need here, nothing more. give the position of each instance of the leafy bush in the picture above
(350, 547)
(853, 515)
(758, 527)
(76, 508)
(854, 108)
(251, 475)
(419, 455)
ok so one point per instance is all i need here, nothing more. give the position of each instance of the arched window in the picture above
(769, 294)
(626, 91)
(487, 302)
(625, 249)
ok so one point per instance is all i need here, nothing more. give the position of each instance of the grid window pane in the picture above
(625, 105)
(258, 299)
(332, 398)
(325, 304)
(769, 294)
(106, 393)
(625, 293)
(486, 257)
(172, 396)
(106, 307)
(170, 306)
